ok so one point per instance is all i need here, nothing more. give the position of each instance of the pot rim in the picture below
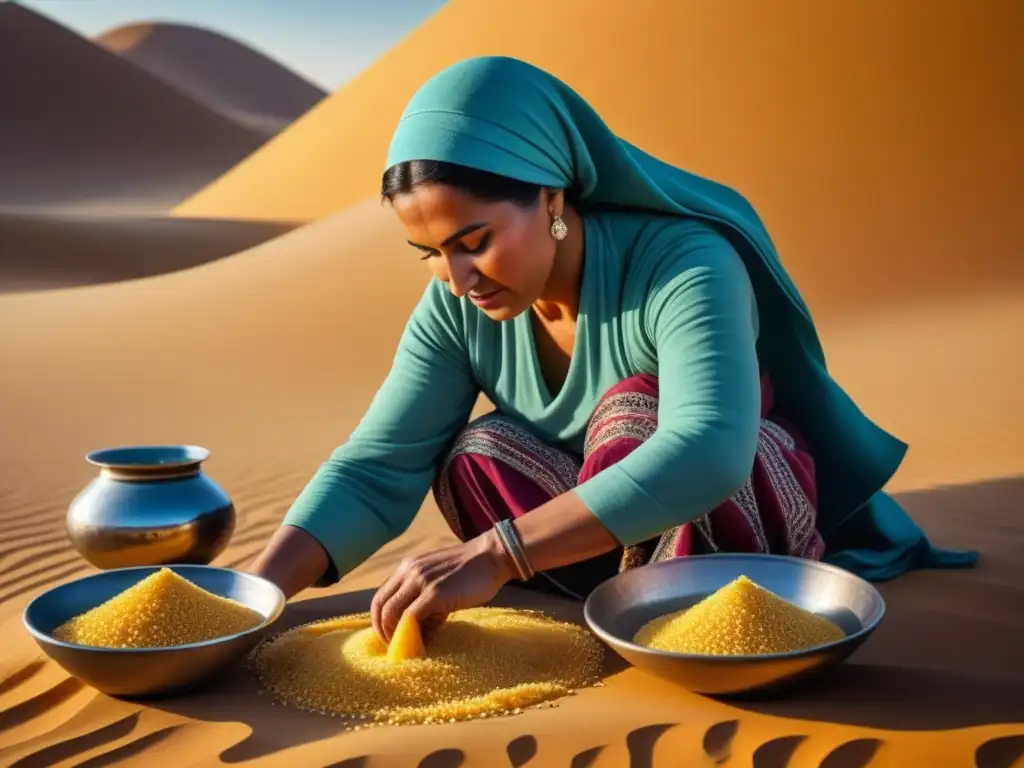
(143, 457)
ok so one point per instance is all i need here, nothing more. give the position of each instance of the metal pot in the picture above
(150, 505)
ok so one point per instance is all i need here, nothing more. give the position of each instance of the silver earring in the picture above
(558, 228)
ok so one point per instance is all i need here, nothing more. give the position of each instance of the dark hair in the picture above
(402, 177)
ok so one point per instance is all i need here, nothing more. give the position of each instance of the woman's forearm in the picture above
(292, 559)
(562, 532)
(559, 533)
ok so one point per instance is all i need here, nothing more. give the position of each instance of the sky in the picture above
(327, 41)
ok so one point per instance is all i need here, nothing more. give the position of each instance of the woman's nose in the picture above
(462, 276)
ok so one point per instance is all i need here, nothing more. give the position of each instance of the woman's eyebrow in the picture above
(452, 237)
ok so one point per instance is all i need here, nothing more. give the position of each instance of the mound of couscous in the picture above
(163, 609)
(740, 619)
(481, 662)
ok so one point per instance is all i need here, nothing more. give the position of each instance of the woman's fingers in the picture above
(381, 597)
(395, 606)
(416, 581)
(377, 604)
(426, 610)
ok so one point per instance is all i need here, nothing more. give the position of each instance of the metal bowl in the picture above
(624, 603)
(141, 672)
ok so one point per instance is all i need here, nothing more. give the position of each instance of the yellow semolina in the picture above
(162, 610)
(480, 662)
(740, 619)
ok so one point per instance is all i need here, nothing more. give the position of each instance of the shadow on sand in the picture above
(48, 250)
(947, 652)
(275, 727)
(946, 656)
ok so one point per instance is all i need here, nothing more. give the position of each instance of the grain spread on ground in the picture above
(164, 609)
(481, 662)
(740, 619)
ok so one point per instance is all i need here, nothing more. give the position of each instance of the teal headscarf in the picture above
(508, 117)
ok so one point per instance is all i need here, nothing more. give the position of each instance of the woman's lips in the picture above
(489, 299)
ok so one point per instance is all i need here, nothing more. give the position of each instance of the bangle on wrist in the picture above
(509, 538)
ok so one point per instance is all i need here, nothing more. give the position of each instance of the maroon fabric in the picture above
(488, 490)
(497, 469)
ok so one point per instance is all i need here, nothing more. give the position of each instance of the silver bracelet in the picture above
(509, 537)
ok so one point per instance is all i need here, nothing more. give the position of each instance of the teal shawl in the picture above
(508, 117)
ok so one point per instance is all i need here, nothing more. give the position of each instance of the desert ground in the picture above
(224, 299)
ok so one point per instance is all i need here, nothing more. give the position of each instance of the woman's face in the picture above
(499, 254)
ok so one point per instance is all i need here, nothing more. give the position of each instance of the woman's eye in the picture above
(481, 246)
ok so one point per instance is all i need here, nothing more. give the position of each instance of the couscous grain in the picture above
(480, 662)
(740, 619)
(163, 609)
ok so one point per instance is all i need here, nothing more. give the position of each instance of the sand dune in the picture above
(269, 358)
(913, 161)
(232, 78)
(45, 250)
(81, 123)
(909, 154)
(93, 150)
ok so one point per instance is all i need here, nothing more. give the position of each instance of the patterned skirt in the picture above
(497, 468)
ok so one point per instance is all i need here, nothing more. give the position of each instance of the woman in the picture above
(660, 389)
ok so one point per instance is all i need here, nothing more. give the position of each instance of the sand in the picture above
(46, 248)
(80, 122)
(253, 357)
(910, 153)
(94, 150)
(226, 75)
(894, 135)
(223, 374)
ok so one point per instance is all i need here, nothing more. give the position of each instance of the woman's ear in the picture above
(555, 201)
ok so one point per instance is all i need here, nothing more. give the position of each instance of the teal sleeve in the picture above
(369, 490)
(701, 318)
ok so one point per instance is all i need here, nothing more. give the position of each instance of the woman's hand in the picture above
(434, 585)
